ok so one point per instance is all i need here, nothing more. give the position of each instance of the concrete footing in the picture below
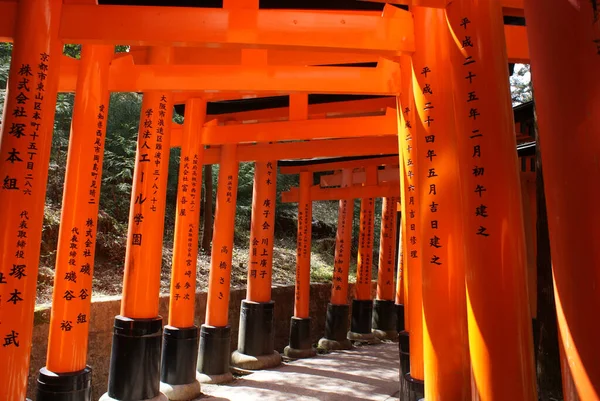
(333, 345)
(182, 392)
(391, 335)
(215, 379)
(368, 338)
(260, 362)
(294, 353)
(160, 397)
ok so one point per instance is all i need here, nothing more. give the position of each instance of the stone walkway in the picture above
(364, 373)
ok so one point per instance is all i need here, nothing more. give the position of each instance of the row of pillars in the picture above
(144, 354)
(466, 282)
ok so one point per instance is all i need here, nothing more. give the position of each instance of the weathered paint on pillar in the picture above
(343, 242)
(303, 247)
(500, 334)
(410, 212)
(571, 171)
(387, 250)
(25, 151)
(401, 269)
(260, 269)
(187, 220)
(364, 263)
(445, 333)
(143, 257)
(217, 304)
(71, 298)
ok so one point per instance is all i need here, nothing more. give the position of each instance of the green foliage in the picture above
(520, 85)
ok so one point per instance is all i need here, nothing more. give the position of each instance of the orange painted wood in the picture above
(571, 193)
(303, 248)
(364, 262)
(343, 246)
(25, 150)
(446, 359)
(217, 304)
(72, 294)
(355, 192)
(260, 268)
(499, 317)
(143, 256)
(387, 250)
(187, 218)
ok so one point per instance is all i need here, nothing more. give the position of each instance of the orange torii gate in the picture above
(260, 52)
(366, 186)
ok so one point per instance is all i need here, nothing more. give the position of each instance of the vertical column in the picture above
(256, 339)
(214, 354)
(25, 150)
(400, 295)
(300, 344)
(336, 321)
(181, 335)
(411, 362)
(384, 309)
(500, 335)
(362, 305)
(446, 358)
(569, 171)
(135, 359)
(68, 337)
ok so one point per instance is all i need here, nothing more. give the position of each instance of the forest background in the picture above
(119, 157)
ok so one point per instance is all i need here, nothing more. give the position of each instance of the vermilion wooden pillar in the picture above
(400, 298)
(445, 334)
(336, 320)
(384, 309)
(411, 362)
(181, 335)
(215, 333)
(256, 340)
(569, 132)
(25, 152)
(135, 359)
(499, 319)
(68, 337)
(362, 305)
(300, 342)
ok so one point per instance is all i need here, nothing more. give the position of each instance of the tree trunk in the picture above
(208, 209)
(546, 331)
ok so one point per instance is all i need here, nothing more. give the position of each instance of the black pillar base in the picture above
(399, 317)
(257, 335)
(135, 359)
(76, 386)
(179, 355)
(404, 344)
(411, 389)
(300, 340)
(362, 316)
(214, 354)
(384, 315)
(336, 322)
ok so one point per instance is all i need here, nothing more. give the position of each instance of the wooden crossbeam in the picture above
(360, 177)
(127, 77)
(328, 128)
(352, 147)
(346, 164)
(215, 27)
(509, 7)
(356, 192)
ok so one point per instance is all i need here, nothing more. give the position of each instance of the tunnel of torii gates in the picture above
(434, 91)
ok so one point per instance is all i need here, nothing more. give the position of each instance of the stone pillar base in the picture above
(294, 353)
(182, 392)
(215, 379)
(250, 362)
(386, 335)
(333, 345)
(368, 338)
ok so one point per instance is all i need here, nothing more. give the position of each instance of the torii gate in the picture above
(263, 52)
